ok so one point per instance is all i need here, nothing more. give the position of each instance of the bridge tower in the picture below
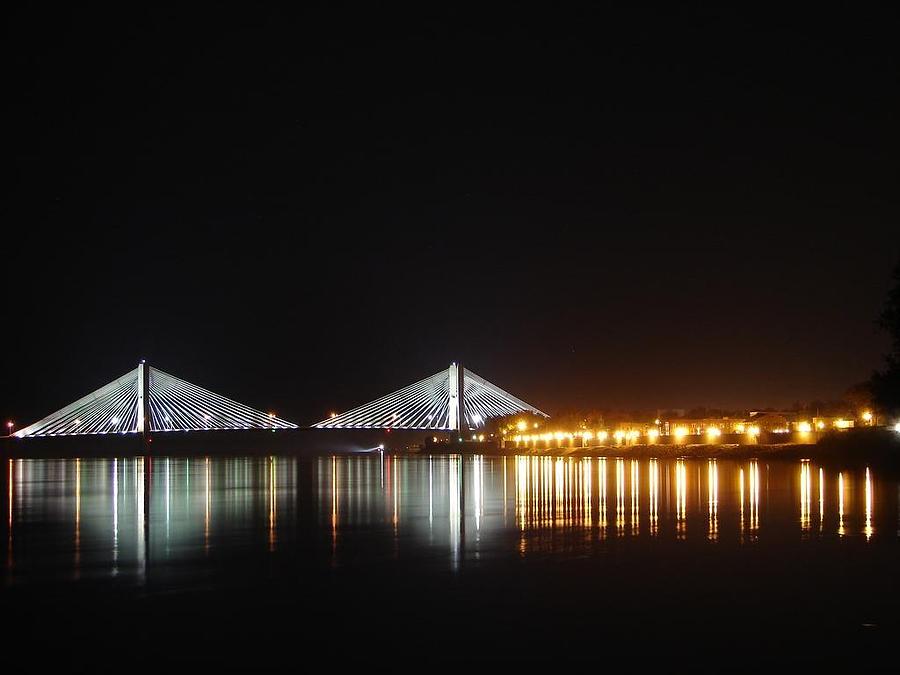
(457, 397)
(143, 398)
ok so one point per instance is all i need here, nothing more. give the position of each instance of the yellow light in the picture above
(713, 432)
(867, 416)
(753, 430)
(481, 437)
(804, 427)
(680, 432)
(619, 435)
(587, 435)
(820, 424)
(559, 435)
(739, 428)
(652, 434)
(843, 424)
(535, 425)
(603, 435)
(656, 421)
(522, 425)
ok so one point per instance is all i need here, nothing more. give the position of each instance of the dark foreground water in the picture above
(253, 562)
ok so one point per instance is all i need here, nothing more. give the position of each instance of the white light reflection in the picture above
(620, 496)
(869, 529)
(804, 496)
(754, 496)
(115, 500)
(453, 471)
(601, 487)
(273, 503)
(635, 497)
(680, 499)
(712, 488)
(841, 530)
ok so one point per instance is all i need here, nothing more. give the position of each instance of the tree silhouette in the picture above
(886, 383)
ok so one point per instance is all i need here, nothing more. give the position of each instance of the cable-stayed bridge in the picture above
(453, 399)
(149, 400)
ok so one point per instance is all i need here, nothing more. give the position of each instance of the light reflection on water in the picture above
(129, 515)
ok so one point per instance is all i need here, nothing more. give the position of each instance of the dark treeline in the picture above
(884, 386)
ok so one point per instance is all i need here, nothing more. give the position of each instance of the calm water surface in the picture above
(521, 548)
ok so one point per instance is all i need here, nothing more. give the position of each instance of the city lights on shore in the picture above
(759, 427)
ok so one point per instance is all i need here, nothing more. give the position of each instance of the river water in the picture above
(451, 557)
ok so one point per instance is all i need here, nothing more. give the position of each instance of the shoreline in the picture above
(871, 446)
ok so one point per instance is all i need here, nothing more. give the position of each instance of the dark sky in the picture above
(629, 209)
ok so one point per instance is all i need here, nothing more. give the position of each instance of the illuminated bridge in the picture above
(149, 400)
(451, 400)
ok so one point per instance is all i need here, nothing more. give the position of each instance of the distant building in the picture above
(776, 421)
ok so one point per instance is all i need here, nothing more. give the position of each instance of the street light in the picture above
(9, 427)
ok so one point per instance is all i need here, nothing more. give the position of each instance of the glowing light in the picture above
(680, 432)
(842, 424)
(521, 425)
(603, 435)
(753, 430)
(867, 416)
(820, 425)
(713, 432)
(652, 434)
(804, 427)
(897, 427)
(619, 435)
(739, 428)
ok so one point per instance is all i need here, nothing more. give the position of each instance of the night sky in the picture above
(627, 209)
